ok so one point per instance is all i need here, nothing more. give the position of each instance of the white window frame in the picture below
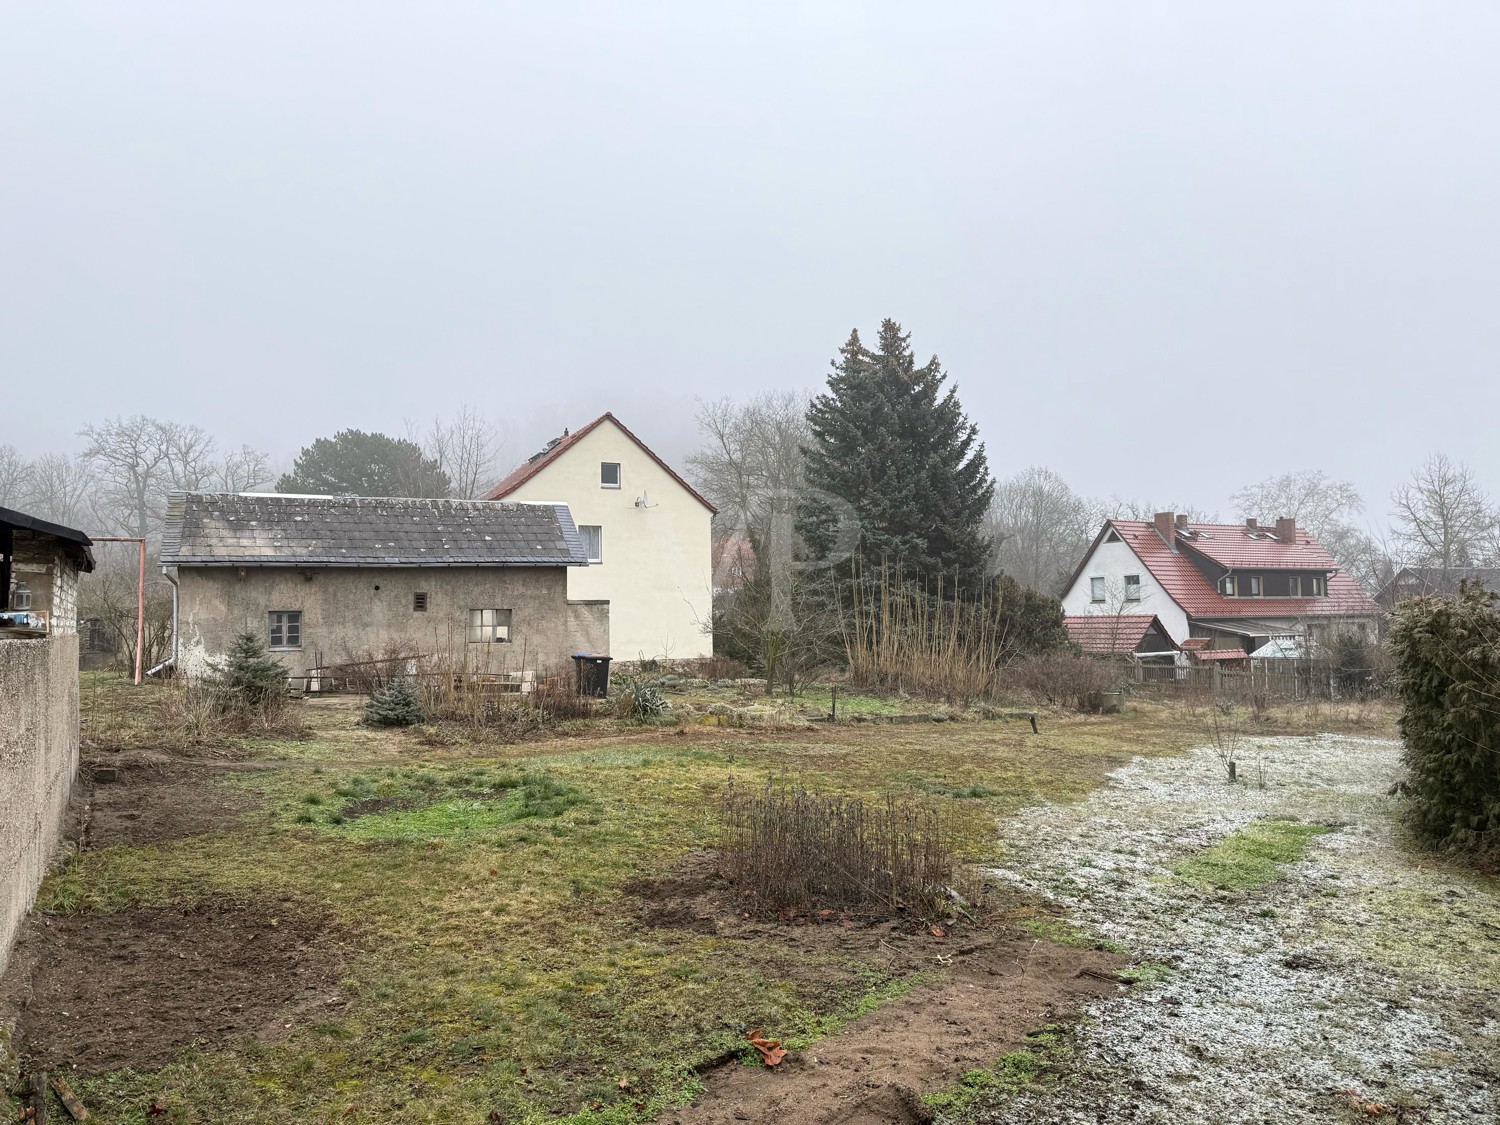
(21, 597)
(489, 626)
(595, 552)
(1255, 586)
(603, 476)
(1228, 586)
(1318, 586)
(286, 622)
(1097, 590)
(1132, 582)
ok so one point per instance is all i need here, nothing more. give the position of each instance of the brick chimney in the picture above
(1250, 523)
(1166, 527)
(1286, 530)
(1182, 523)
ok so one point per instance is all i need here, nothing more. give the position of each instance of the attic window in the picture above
(609, 474)
(1112, 537)
(1132, 587)
(419, 601)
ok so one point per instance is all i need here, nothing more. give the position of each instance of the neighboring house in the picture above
(734, 562)
(1410, 581)
(1141, 635)
(1235, 586)
(326, 580)
(648, 534)
(39, 567)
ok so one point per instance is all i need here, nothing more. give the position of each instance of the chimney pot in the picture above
(1286, 530)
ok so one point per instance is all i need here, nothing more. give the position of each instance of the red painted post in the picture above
(140, 614)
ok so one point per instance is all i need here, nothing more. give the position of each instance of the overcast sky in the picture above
(1162, 248)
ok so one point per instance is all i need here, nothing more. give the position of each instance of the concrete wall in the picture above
(657, 569)
(1112, 562)
(38, 758)
(358, 610)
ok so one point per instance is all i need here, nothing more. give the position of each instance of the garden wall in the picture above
(38, 759)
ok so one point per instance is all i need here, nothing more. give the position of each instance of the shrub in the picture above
(1447, 656)
(395, 705)
(790, 848)
(250, 678)
(1066, 679)
(556, 698)
(641, 699)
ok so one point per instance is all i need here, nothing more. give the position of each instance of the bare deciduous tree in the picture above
(1444, 518)
(750, 466)
(1119, 508)
(1040, 528)
(242, 470)
(60, 489)
(468, 449)
(14, 477)
(1327, 508)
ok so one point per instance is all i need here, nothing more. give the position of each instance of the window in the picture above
(286, 628)
(609, 474)
(1306, 586)
(1226, 586)
(1112, 537)
(1317, 587)
(1132, 587)
(489, 626)
(1096, 589)
(593, 541)
(21, 599)
(419, 602)
(1254, 581)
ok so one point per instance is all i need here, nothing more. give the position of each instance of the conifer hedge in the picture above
(1447, 655)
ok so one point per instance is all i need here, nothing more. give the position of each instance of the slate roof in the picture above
(1190, 588)
(259, 529)
(1108, 634)
(556, 448)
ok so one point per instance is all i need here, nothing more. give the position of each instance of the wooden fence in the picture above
(1268, 679)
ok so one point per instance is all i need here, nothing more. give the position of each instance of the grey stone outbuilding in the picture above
(325, 580)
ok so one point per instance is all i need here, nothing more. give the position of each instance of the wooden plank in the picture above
(39, 1097)
(69, 1099)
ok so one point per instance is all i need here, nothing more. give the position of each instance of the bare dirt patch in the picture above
(151, 798)
(991, 987)
(132, 988)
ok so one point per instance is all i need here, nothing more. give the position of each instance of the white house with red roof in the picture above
(1236, 586)
(646, 531)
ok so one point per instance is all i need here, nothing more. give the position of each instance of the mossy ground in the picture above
(503, 970)
(1249, 858)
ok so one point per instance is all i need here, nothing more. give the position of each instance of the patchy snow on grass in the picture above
(1364, 972)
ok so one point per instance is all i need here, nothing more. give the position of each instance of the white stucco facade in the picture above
(1113, 562)
(656, 567)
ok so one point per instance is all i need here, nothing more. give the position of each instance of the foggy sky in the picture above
(1162, 248)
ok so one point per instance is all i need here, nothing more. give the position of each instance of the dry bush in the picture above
(793, 849)
(365, 671)
(716, 667)
(556, 696)
(1065, 679)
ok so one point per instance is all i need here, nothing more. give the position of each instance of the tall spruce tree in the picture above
(896, 445)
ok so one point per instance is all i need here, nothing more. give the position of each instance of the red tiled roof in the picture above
(1192, 644)
(1190, 588)
(1108, 634)
(528, 469)
(1221, 654)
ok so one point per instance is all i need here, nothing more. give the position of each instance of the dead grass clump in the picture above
(556, 696)
(716, 667)
(794, 849)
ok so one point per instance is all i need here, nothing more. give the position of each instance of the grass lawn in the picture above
(500, 968)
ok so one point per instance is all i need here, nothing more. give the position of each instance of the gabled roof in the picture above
(1227, 546)
(558, 446)
(1109, 634)
(262, 529)
(77, 545)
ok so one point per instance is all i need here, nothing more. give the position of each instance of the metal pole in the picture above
(140, 613)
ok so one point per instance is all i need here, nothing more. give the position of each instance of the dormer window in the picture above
(1227, 586)
(1253, 584)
